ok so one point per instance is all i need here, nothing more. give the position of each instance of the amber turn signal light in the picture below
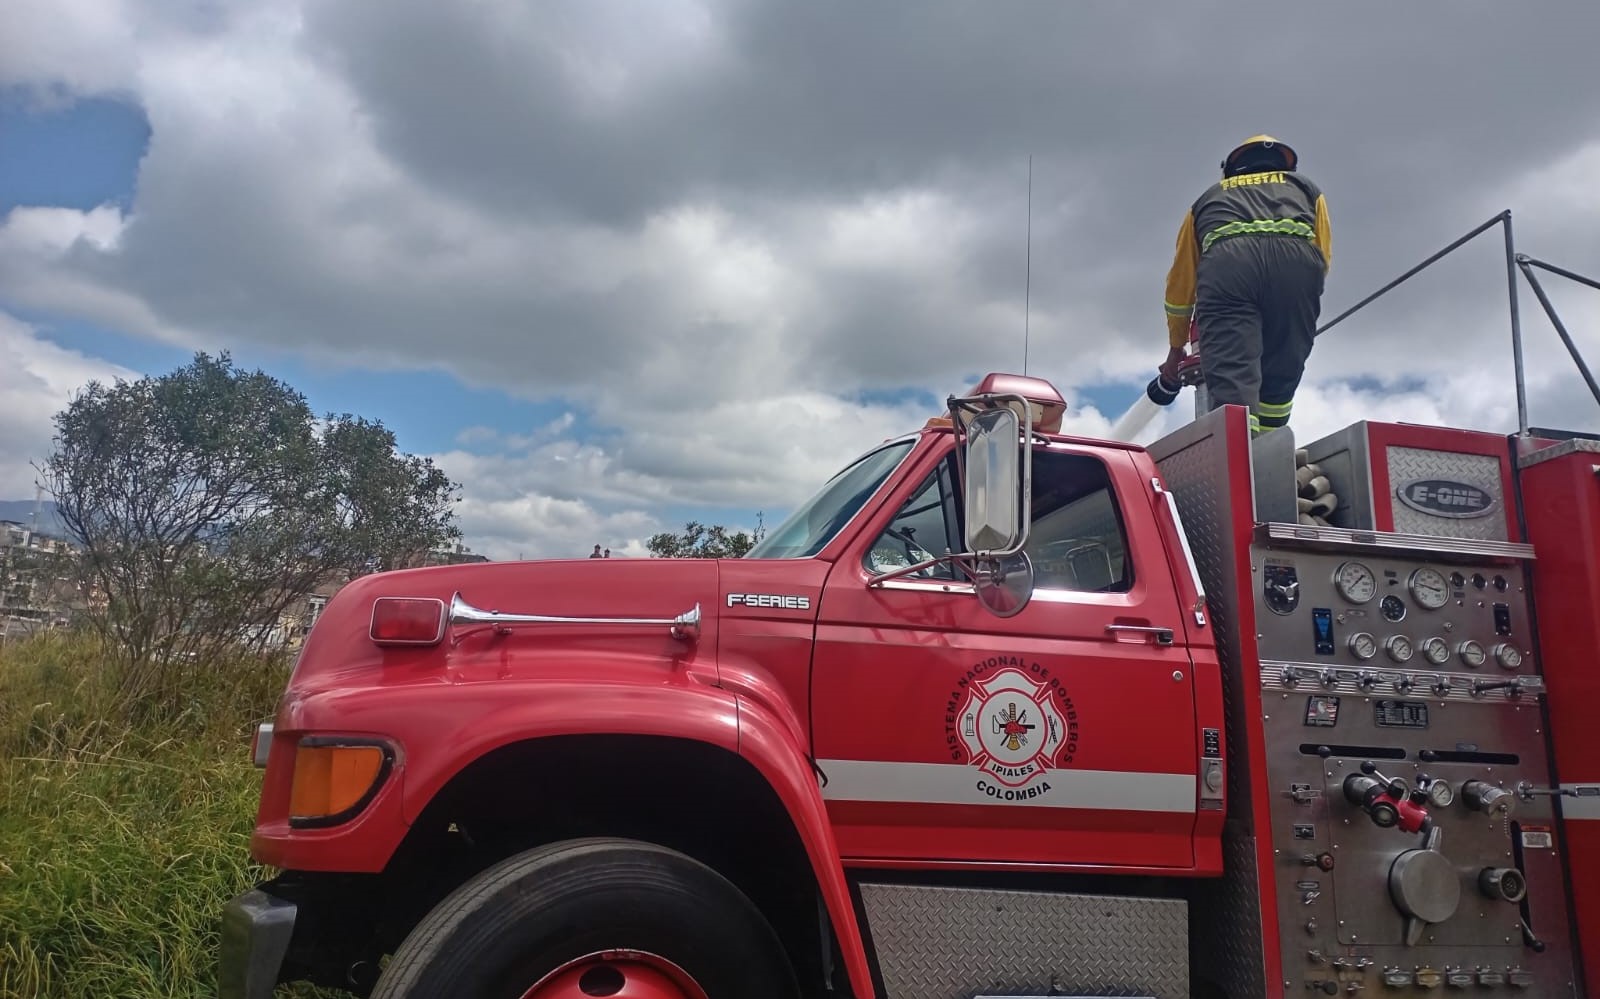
(407, 621)
(335, 779)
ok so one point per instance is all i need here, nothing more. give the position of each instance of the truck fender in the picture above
(766, 742)
(688, 711)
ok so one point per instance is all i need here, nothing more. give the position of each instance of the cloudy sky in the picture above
(620, 264)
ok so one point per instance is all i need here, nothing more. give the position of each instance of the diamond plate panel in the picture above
(952, 943)
(1227, 923)
(1406, 463)
(1554, 451)
(1227, 945)
(1193, 463)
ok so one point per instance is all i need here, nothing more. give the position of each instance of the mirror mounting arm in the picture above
(967, 562)
(906, 570)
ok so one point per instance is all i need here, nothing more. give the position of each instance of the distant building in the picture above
(460, 555)
(34, 594)
(298, 619)
(37, 592)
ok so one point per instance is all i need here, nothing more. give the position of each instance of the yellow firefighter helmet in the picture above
(1287, 158)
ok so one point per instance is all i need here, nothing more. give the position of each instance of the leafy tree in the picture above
(208, 500)
(700, 541)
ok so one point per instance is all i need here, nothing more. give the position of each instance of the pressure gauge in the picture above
(1507, 656)
(1392, 607)
(1355, 582)
(1436, 650)
(1441, 794)
(1363, 645)
(1399, 648)
(1471, 653)
(1429, 588)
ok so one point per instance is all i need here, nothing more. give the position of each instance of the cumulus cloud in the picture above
(37, 380)
(711, 230)
(64, 48)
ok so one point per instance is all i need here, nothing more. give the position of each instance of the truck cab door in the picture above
(1063, 735)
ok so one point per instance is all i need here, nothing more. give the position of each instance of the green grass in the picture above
(123, 828)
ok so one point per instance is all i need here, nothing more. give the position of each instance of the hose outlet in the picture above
(1485, 797)
(1503, 884)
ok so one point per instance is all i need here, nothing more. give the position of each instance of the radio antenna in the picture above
(1027, 281)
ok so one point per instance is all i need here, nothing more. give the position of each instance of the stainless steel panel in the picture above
(1349, 914)
(1272, 469)
(1345, 926)
(1340, 929)
(952, 943)
(1523, 687)
(1344, 459)
(1407, 464)
(1330, 538)
(1469, 615)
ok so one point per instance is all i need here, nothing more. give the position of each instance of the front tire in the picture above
(592, 917)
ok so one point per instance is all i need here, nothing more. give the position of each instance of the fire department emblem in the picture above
(1011, 727)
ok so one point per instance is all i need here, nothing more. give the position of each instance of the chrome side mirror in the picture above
(994, 486)
(997, 491)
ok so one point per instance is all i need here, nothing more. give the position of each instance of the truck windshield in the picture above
(815, 523)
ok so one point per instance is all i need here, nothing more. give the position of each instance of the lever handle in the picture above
(1526, 791)
(1528, 936)
(1481, 686)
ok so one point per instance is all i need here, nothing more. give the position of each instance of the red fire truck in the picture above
(999, 711)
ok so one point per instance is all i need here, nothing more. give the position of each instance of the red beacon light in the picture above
(1046, 405)
(408, 621)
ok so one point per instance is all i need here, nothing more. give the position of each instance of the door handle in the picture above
(1163, 636)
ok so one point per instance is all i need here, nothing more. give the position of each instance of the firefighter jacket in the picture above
(1276, 202)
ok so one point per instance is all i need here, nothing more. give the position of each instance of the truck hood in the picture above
(339, 648)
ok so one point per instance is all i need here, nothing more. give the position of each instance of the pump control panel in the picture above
(1401, 702)
(1388, 613)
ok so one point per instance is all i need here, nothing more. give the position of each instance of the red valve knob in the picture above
(1386, 802)
(1413, 817)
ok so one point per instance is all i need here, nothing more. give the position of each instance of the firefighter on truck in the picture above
(1251, 257)
(959, 727)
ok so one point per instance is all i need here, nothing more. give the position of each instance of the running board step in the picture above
(969, 943)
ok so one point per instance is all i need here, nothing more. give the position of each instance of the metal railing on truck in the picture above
(1514, 262)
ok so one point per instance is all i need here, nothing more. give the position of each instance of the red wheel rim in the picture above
(617, 974)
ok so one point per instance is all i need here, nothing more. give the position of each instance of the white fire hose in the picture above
(1315, 497)
(1138, 416)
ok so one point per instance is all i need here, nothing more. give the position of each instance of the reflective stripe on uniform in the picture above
(1178, 310)
(1276, 227)
(1255, 422)
(1275, 414)
(957, 784)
